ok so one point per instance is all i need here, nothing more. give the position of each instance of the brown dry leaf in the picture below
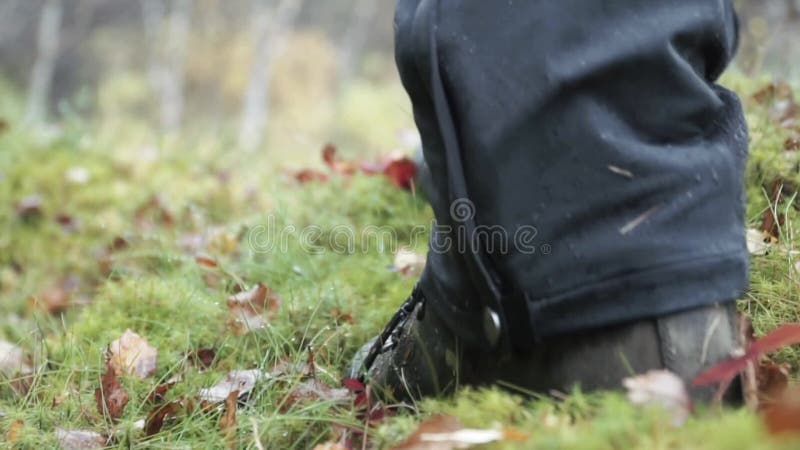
(80, 439)
(155, 420)
(254, 308)
(202, 357)
(153, 213)
(132, 354)
(14, 431)
(111, 397)
(661, 388)
(408, 262)
(783, 416)
(160, 391)
(227, 424)
(242, 381)
(773, 381)
(446, 433)
(57, 297)
(29, 207)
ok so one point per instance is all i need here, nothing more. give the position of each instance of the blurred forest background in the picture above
(284, 76)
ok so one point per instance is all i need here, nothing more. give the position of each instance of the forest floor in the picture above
(99, 235)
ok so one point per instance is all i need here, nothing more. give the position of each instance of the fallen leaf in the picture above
(153, 213)
(309, 175)
(29, 207)
(67, 222)
(313, 390)
(660, 388)
(401, 172)
(56, 298)
(242, 381)
(155, 420)
(335, 164)
(773, 382)
(227, 424)
(756, 244)
(206, 261)
(724, 372)
(160, 391)
(783, 416)
(111, 397)
(14, 431)
(446, 433)
(202, 357)
(792, 143)
(408, 262)
(80, 439)
(13, 361)
(254, 308)
(132, 354)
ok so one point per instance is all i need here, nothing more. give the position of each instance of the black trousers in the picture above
(592, 135)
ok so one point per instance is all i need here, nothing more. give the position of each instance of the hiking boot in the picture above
(422, 358)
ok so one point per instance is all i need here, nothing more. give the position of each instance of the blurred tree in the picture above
(167, 35)
(355, 38)
(270, 28)
(41, 78)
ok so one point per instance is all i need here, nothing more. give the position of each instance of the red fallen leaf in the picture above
(29, 207)
(725, 371)
(202, 357)
(401, 172)
(252, 309)
(111, 398)
(155, 420)
(309, 175)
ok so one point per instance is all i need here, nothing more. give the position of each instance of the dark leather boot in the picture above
(422, 358)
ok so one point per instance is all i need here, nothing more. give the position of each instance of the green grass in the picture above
(331, 302)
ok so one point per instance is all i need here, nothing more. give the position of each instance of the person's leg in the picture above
(598, 125)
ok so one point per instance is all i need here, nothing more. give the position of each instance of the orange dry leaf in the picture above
(132, 354)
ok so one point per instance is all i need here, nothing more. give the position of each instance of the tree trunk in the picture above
(270, 30)
(41, 79)
(167, 36)
(175, 64)
(355, 39)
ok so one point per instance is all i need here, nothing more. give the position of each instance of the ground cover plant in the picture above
(186, 296)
